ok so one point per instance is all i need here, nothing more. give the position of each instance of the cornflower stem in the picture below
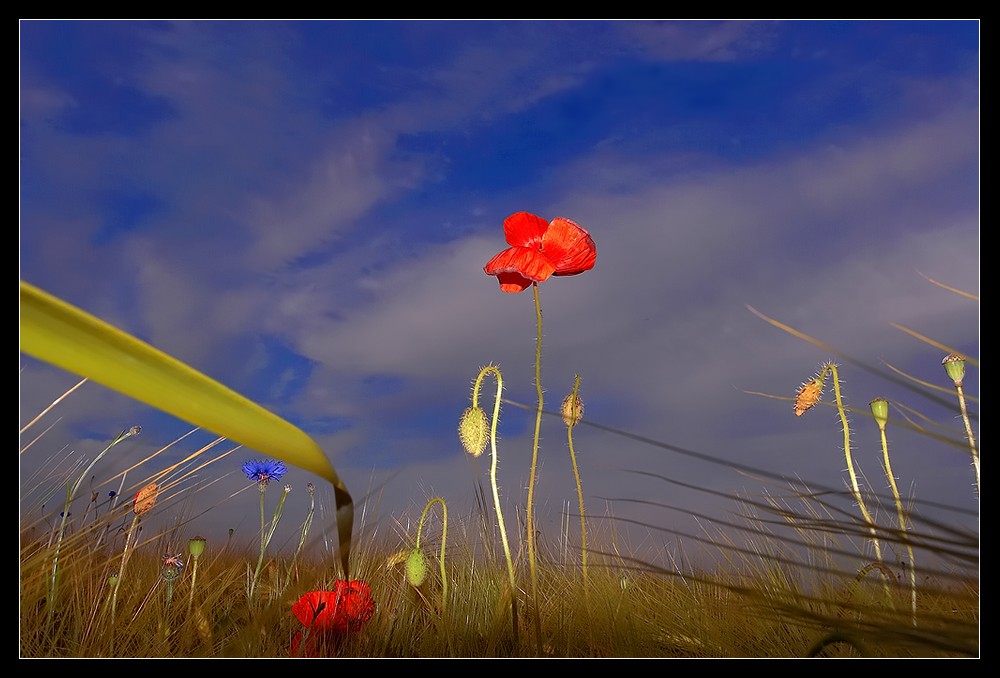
(260, 560)
(579, 488)
(491, 369)
(530, 512)
(855, 488)
(901, 516)
(265, 536)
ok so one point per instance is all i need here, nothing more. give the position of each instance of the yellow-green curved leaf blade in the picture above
(63, 335)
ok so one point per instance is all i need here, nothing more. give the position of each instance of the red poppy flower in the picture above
(329, 615)
(539, 249)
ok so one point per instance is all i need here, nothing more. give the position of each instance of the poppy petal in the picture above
(527, 262)
(356, 604)
(523, 229)
(513, 283)
(316, 608)
(568, 247)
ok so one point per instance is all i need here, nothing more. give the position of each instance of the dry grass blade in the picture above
(936, 344)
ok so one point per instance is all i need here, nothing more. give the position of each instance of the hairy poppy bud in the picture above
(572, 410)
(808, 395)
(473, 430)
(416, 567)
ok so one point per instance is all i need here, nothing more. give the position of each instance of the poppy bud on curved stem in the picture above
(416, 568)
(473, 430)
(809, 394)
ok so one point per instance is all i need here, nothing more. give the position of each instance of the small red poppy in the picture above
(330, 614)
(539, 249)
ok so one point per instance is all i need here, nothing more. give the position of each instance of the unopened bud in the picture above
(808, 395)
(572, 410)
(416, 567)
(473, 430)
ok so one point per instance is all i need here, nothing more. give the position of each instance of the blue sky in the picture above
(302, 211)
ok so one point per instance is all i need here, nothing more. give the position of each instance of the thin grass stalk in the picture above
(70, 494)
(303, 535)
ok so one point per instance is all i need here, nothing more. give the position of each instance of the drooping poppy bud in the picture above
(473, 430)
(416, 568)
(808, 395)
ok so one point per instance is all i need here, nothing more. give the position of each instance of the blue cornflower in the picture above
(263, 471)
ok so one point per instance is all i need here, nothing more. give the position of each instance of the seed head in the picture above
(880, 410)
(954, 365)
(196, 546)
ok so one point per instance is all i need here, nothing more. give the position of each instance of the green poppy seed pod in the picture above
(416, 567)
(880, 410)
(473, 430)
(572, 410)
(196, 546)
(954, 365)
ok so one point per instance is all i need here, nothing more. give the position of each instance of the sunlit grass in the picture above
(770, 595)
(760, 609)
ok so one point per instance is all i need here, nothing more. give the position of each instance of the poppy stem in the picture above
(496, 491)
(831, 368)
(444, 538)
(573, 411)
(530, 513)
(900, 512)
